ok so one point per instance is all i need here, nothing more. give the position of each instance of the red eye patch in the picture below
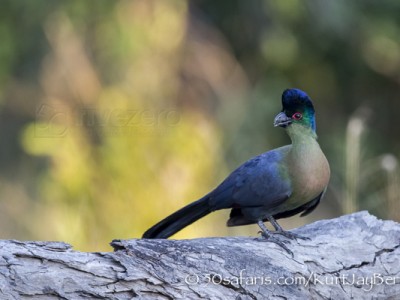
(297, 116)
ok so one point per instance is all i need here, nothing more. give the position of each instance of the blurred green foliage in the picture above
(116, 113)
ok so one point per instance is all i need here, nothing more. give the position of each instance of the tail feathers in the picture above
(179, 220)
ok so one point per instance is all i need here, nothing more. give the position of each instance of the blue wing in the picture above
(260, 182)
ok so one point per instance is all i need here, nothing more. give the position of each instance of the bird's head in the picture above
(297, 109)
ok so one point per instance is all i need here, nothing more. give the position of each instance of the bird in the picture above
(277, 184)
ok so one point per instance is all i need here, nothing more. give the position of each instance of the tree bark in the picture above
(352, 257)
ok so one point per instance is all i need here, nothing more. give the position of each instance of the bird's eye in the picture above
(297, 116)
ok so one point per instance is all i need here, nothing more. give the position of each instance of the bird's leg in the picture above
(279, 230)
(265, 233)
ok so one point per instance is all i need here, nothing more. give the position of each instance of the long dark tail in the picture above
(179, 220)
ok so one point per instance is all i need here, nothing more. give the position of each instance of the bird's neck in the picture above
(301, 135)
(308, 168)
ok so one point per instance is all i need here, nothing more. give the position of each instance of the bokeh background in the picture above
(114, 114)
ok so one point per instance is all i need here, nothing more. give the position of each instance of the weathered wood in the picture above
(355, 256)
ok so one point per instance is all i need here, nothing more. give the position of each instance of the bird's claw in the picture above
(267, 235)
(304, 238)
(291, 235)
(268, 238)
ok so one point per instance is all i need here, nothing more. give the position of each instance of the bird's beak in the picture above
(282, 120)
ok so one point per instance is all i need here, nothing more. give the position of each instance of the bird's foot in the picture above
(266, 237)
(290, 235)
